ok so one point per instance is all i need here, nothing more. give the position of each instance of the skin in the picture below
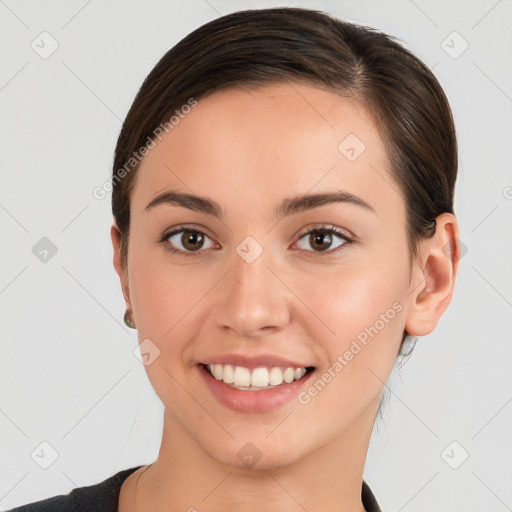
(248, 150)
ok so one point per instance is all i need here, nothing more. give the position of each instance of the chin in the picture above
(257, 454)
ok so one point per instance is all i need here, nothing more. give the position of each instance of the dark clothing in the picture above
(104, 497)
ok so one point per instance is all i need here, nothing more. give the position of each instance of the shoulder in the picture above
(102, 496)
(55, 504)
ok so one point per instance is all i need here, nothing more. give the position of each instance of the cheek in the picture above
(361, 310)
(166, 303)
(163, 297)
(364, 309)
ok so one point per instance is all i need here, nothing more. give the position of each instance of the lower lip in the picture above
(264, 400)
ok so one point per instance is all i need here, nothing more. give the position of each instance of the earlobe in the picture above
(119, 266)
(434, 276)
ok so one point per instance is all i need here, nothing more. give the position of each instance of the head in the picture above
(248, 111)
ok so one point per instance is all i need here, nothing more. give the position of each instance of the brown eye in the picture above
(322, 239)
(186, 241)
(192, 240)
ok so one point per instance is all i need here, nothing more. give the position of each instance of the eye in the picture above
(185, 241)
(323, 237)
(189, 242)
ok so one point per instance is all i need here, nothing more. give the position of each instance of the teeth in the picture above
(217, 371)
(288, 375)
(276, 376)
(260, 378)
(228, 374)
(243, 378)
(297, 374)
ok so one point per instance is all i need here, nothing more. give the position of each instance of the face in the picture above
(262, 279)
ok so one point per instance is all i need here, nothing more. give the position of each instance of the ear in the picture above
(115, 235)
(433, 277)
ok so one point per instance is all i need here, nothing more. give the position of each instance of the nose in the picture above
(253, 301)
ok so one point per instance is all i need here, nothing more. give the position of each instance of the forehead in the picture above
(256, 146)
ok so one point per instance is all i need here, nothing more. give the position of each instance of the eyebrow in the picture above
(289, 206)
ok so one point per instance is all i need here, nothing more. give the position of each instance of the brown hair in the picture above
(255, 47)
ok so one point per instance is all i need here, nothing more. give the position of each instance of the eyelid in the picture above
(184, 227)
(326, 227)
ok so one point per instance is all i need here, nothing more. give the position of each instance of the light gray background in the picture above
(68, 375)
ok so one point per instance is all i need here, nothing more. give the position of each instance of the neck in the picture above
(185, 478)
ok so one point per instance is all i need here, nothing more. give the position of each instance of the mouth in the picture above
(261, 389)
(256, 379)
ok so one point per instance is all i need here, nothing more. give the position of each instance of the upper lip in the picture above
(256, 361)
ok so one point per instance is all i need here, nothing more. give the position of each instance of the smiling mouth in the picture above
(256, 379)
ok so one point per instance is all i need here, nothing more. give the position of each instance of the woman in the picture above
(282, 193)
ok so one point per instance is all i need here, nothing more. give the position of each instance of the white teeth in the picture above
(228, 374)
(243, 378)
(276, 376)
(288, 375)
(260, 378)
(217, 371)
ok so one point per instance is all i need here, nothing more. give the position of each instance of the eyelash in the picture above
(324, 229)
